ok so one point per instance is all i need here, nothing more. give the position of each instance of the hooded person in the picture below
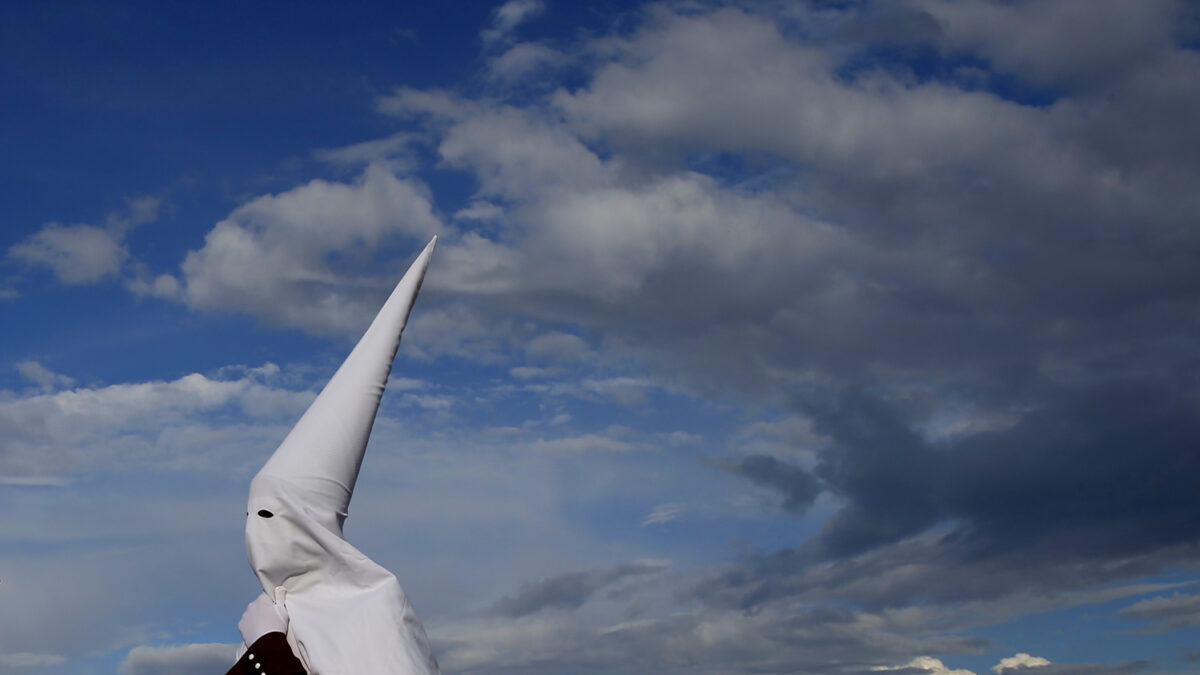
(340, 612)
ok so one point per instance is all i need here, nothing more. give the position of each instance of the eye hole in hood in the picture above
(265, 513)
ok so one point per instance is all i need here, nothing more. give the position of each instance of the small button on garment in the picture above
(250, 656)
(257, 666)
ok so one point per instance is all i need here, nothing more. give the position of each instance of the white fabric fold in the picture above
(348, 614)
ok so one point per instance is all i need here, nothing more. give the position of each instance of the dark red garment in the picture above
(269, 655)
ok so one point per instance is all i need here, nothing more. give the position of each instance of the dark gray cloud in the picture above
(569, 591)
(1096, 487)
(1102, 470)
(996, 339)
(970, 263)
(799, 487)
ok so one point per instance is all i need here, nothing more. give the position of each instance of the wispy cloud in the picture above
(508, 16)
(159, 423)
(570, 590)
(35, 481)
(31, 660)
(47, 379)
(663, 513)
(1166, 613)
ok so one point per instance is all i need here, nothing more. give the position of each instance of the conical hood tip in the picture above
(324, 451)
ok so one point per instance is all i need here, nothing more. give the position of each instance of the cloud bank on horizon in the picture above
(760, 337)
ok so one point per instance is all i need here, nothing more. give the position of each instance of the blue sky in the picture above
(804, 337)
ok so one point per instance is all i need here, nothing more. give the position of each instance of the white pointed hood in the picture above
(348, 614)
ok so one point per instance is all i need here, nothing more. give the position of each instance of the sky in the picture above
(761, 337)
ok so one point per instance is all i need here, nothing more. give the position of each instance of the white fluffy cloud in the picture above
(149, 424)
(681, 85)
(195, 659)
(295, 259)
(77, 254)
(855, 200)
(580, 227)
(85, 254)
(929, 665)
(1020, 661)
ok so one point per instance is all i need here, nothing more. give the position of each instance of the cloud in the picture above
(77, 254)
(926, 664)
(43, 376)
(1166, 613)
(508, 16)
(480, 211)
(943, 284)
(523, 60)
(288, 258)
(1106, 39)
(191, 659)
(139, 210)
(804, 640)
(877, 127)
(557, 347)
(180, 452)
(663, 513)
(1125, 668)
(569, 591)
(626, 391)
(393, 152)
(163, 286)
(35, 481)
(118, 545)
(513, 152)
(799, 487)
(183, 423)
(965, 304)
(582, 444)
(1020, 661)
(529, 373)
(86, 254)
(960, 524)
(30, 660)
